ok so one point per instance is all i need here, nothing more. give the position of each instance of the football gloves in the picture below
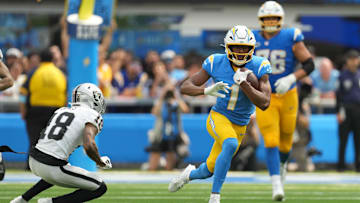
(283, 84)
(214, 89)
(240, 76)
(106, 161)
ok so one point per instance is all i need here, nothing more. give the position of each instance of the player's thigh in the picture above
(241, 132)
(214, 153)
(219, 127)
(66, 176)
(268, 123)
(72, 176)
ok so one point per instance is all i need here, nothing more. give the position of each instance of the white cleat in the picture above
(179, 181)
(18, 199)
(277, 189)
(214, 198)
(278, 196)
(283, 171)
(45, 200)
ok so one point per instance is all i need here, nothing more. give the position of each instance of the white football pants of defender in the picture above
(66, 176)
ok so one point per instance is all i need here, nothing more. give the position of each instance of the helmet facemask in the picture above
(271, 23)
(239, 57)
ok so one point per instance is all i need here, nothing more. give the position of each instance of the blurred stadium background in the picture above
(181, 34)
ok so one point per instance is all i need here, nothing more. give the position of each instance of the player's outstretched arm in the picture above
(89, 144)
(192, 86)
(261, 97)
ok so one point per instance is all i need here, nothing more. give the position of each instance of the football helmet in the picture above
(90, 95)
(271, 9)
(239, 35)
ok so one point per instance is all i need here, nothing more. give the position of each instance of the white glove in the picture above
(240, 76)
(1, 55)
(283, 84)
(214, 89)
(106, 161)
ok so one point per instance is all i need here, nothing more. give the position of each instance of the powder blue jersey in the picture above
(236, 106)
(278, 50)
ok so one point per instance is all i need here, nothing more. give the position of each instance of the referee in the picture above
(348, 107)
(43, 92)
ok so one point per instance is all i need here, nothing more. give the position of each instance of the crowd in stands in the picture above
(121, 74)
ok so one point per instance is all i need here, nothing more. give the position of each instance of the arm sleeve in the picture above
(93, 117)
(208, 65)
(265, 68)
(298, 35)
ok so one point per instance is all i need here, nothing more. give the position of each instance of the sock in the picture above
(276, 181)
(284, 156)
(36, 189)
(223, 162)
(81, 195)
(201, 172)
(273, 160)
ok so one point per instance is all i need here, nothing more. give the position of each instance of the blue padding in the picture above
(324, 130)
(124, 137)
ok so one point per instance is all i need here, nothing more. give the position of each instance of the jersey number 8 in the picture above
(276, 58)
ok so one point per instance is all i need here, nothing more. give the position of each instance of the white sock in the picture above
(217, 196)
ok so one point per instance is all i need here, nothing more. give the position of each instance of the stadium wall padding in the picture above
(124, 137)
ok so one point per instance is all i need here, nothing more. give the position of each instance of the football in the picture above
(252, 79)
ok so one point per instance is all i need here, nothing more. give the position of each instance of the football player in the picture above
(230, 115)
(69, 128)
(283, 47)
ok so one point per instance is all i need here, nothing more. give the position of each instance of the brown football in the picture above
(252, 79)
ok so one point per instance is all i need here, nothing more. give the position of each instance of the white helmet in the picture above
(90, 95)
(271, 9)
(239, 35)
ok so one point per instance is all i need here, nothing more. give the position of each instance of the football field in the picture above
(148, 191)
(199, 193)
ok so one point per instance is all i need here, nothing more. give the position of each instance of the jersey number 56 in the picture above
(276, 58)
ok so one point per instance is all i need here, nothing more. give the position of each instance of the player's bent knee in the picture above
(230, 144)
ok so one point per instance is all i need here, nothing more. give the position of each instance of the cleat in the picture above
(277, 189)
(18, 199)
(278, 193)
(214, 198)
(179, 181)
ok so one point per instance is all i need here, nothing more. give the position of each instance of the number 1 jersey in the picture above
(279, 51)
(236, 106)
(64, 132)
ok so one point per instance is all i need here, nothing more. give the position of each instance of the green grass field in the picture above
(199, 193)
